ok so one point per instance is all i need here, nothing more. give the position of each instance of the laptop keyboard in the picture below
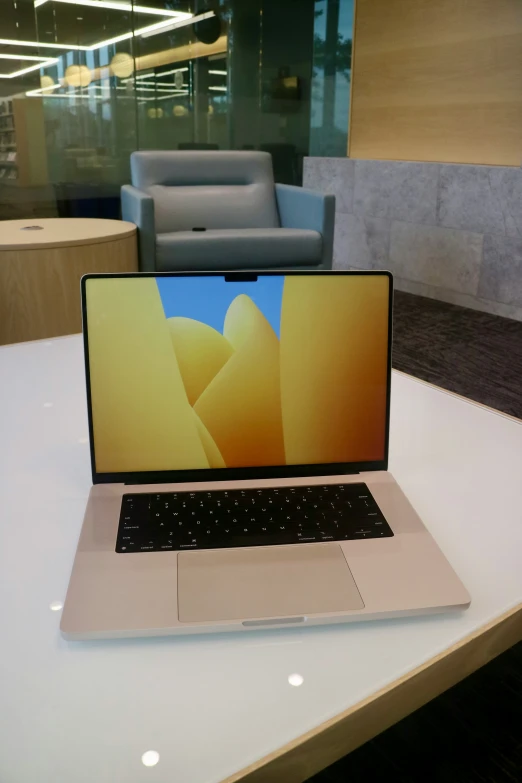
(248, 517)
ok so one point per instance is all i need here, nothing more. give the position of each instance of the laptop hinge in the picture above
(207, 479)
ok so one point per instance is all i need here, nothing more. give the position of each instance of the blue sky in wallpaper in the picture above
(207, 299)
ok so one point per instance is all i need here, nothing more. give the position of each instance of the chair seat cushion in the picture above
(246, 248)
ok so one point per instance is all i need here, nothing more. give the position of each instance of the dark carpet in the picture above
(473, 732)
(468, 352)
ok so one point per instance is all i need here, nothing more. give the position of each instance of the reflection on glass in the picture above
(332, 63)
(150, 758)
(296, 680)
(83, 84)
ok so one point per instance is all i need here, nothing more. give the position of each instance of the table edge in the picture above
(458, 396)
(308, 754)
(128, 230)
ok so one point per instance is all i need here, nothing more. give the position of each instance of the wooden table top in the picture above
(61, 232)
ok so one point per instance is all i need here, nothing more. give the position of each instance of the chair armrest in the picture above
(138, 208)
(302, 208)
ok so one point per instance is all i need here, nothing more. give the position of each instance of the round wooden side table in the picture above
(41, 264)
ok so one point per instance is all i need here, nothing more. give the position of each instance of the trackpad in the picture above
(271, 582)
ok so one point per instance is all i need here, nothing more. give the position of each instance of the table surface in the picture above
(211, 706)
(61, 232)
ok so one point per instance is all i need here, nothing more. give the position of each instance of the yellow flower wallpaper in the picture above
(189, 373)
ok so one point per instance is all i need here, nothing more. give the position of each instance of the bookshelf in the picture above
(8, 151)
(23, 153)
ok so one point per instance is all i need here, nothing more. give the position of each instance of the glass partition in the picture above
(83, 83)
(331, 79)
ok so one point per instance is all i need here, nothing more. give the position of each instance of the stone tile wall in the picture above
(450, 232)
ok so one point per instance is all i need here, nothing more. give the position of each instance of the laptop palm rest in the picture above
(271, 582)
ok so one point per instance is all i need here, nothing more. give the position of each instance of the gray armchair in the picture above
(221, 210)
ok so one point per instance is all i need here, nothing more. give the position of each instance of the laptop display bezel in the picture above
(236, 474)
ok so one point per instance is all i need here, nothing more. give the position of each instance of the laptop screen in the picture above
(190, 372)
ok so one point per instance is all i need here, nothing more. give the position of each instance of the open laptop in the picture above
(239, 443)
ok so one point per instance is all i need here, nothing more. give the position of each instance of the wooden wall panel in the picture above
(438, 81)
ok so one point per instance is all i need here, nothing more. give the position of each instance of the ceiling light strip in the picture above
(168, 73)
(32, 93)
(164, 97)
(155, 75)
(147, 84)
(22, 57)
(42, 90)
(96, 97)
(155, 29)
(114, 5)
(169, 88)
(36, 44)
(23, 71)
(143, 9)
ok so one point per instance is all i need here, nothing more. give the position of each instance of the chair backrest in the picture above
(197, 145)
(207, 189)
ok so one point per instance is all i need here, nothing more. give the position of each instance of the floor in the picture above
(472, 353)
(473, 732)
